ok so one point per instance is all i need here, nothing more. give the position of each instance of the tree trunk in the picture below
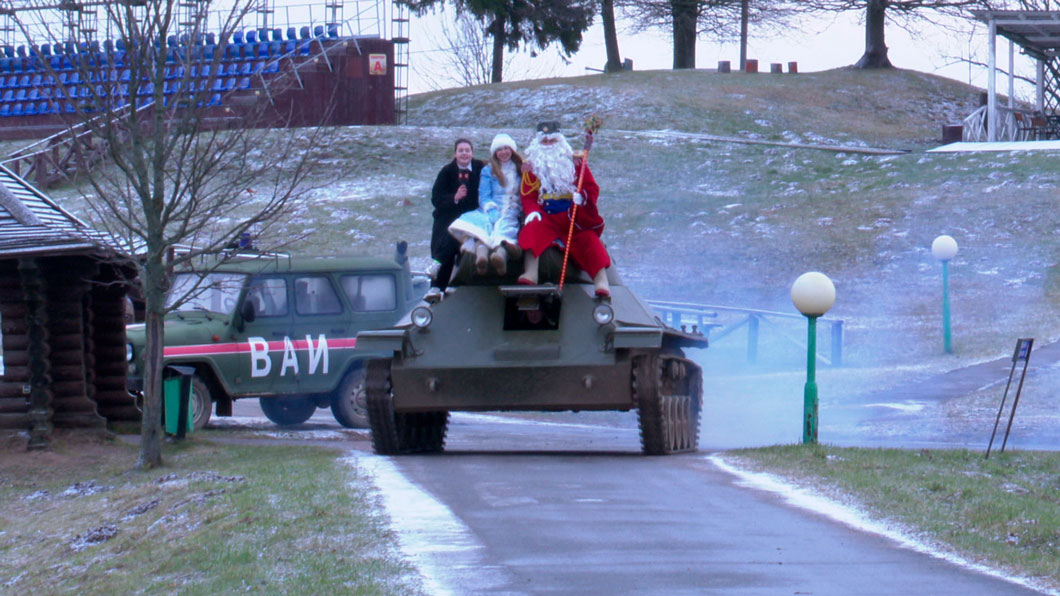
(744, 17)
(496, 29)
(686, 19)
(153, 279)
(607, 14)
(875, 55)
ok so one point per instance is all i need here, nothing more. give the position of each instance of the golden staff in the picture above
(592, 124)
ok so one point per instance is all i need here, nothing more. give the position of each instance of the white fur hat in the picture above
(502, 140)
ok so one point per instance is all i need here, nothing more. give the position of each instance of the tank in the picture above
(492, 345)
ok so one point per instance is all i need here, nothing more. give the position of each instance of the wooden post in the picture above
(40, 382)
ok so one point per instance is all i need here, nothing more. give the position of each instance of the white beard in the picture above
(553, 164)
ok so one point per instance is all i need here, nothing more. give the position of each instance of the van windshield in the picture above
(216, 292)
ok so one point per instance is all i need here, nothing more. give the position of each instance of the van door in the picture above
(261, 367)
(325, 335)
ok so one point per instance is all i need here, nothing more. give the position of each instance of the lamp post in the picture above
(944, 248)
(813, 294)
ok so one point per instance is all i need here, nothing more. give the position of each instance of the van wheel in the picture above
(201, 403)
(286, 411)
(348, 403)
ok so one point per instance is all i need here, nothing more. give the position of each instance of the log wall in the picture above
(62, 320)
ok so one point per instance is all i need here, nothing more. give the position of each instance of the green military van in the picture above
(281, 329)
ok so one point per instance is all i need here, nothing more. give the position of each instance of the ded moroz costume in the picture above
(548, 191)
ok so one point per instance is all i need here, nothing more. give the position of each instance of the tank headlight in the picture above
(128, 352)
(422, 317)
(603, 314)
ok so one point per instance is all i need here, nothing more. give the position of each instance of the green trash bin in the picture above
(176, 392)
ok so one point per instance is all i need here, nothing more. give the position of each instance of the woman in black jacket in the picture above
(455, 192)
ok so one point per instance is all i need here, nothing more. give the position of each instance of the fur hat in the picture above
(502, 140)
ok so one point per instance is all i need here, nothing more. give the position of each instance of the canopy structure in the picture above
(1037, 32)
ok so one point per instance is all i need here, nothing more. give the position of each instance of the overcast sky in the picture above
(818, 44)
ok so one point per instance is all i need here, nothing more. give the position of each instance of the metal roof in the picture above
(31, 224)
(1036, 31)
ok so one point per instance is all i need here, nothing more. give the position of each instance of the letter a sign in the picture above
(377, 64)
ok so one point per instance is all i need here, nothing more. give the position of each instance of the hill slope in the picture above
(895, 108)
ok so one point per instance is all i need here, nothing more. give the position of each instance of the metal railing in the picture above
(705, 318)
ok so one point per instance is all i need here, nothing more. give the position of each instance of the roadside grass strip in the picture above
(998, 516)
(216, 519)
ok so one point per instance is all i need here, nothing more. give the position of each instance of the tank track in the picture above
(394, 433)
(668, 390)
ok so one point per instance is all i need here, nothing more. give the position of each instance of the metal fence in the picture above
(705, 318)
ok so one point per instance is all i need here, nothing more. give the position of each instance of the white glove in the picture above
(579, 199)
(536, 215)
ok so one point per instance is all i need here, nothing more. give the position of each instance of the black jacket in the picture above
(445, 209)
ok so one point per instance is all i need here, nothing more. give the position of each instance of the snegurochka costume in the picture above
(499, 212)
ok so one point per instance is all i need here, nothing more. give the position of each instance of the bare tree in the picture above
(515, 23)
(688, 19)
(902, 12)
(158, 168)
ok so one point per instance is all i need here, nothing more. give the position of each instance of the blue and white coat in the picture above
(499, 212)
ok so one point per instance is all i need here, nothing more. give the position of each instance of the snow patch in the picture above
(446, 552)
(857, 519)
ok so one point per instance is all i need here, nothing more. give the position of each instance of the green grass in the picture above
(1003, 511)
(219, 519)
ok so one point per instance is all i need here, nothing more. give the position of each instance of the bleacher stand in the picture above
(297, 74)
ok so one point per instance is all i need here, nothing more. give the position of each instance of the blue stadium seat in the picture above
(303, 33)
(228, 85)
(175, 72)
(16, 109)
(125, 75)
(3, 82)
(45, 107)
(20, 95)
(204, 71)
(35, 80)
(247, 69)
(262, 50)
(69, 108)
(108, 46)
(33, 94)
(291, 35)
(237, 38)
(5, 110)
(30, 109)
(244, 83)
(272, 67)
(5, 65)
(46, 93)
(215, 100)
(123, 90)
(318, 31)
(20, 51)
(211, 39)
(45, 49)
(230, 70)
(147, 88)
(9, 51)
(333, 31)
(251, 36)
(9, 95)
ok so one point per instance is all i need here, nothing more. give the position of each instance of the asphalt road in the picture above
(522, 507)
